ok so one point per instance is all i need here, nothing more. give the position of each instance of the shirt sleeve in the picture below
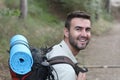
(64, 72)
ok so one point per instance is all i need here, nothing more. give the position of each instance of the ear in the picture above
(66, 32)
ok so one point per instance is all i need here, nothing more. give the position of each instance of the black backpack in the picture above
(42, 67)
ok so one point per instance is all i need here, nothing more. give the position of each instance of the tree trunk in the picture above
(23, 8)
(107, 6)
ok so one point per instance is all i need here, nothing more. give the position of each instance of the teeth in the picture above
(82, 40)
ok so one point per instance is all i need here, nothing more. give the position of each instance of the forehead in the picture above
(80, 22)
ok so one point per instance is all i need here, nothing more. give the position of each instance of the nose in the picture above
(84, 33)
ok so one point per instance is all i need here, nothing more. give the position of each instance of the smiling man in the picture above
(77, 34)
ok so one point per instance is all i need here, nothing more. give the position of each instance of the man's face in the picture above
(79, 33)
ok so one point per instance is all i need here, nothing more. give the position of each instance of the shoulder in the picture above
(56, 51)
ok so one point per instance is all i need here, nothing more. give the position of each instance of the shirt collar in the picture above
(68, 51)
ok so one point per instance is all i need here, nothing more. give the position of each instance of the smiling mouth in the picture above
(83, 41)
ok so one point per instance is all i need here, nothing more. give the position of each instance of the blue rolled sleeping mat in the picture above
(20, 60)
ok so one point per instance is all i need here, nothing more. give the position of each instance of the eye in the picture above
(88, 29)
(77, 28)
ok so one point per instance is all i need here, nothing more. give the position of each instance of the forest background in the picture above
(42, 22)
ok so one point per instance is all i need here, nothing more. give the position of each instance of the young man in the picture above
(77, 33)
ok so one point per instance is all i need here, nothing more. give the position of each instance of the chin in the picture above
(82, 48)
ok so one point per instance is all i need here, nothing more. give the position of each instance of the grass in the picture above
(38, 33)
(101, 26)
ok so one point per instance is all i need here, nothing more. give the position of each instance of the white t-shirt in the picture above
(64, 71)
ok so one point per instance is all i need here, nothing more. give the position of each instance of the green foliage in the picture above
(101, 26)
(40, 26)
(94, 7)
(97, 9)
(40, 21)
(7, 12)
(71, 5)
(66, 6)
(39, 9)
(12, 3)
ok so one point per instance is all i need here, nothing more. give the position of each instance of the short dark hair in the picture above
(75, 14)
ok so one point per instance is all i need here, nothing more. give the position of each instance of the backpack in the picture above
(42, 67)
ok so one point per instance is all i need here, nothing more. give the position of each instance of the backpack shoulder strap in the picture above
(66, 60)
(61, 59)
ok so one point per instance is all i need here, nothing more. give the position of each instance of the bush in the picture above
(100, 27)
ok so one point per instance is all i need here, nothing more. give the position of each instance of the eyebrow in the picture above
(78, 26)
(82, 27)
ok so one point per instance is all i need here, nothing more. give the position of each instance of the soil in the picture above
(102, 56)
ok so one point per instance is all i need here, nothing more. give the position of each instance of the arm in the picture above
(64, 72)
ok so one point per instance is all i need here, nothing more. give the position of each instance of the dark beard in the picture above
(74, 45)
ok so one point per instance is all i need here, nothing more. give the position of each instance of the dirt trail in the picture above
(104, 50)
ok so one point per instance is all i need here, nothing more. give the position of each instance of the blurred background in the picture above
(42, 22)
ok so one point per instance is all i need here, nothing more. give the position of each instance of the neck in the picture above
(73, 50)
